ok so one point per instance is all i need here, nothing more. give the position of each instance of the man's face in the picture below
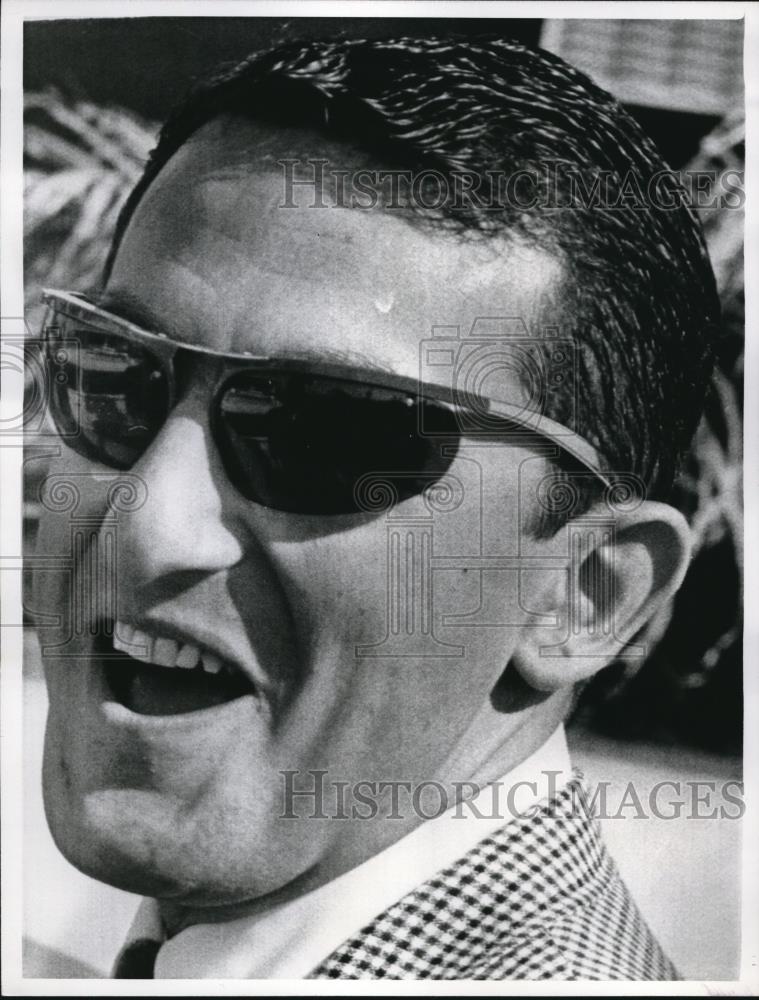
(189, 806)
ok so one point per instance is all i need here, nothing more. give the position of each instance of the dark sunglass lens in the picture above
(314, 445)
(113, 397)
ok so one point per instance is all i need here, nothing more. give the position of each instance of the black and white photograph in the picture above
(372, 454)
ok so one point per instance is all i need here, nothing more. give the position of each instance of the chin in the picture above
(140, 842)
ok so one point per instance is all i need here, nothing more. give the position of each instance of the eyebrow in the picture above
(125, 305)
(131, 308)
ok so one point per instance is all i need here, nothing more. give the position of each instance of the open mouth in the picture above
(157, 675)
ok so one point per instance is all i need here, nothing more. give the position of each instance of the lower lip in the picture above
(220, 715)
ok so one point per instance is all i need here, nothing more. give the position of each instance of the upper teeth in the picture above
(162, 651)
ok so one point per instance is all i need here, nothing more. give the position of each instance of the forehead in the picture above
(217, 254)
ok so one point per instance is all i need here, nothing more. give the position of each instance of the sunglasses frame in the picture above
(78, 307)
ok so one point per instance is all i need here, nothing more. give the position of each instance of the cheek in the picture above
(394, 681)
(336, 584)
(74, 499)
(404, 587)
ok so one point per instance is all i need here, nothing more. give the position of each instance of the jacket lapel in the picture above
(524, 904)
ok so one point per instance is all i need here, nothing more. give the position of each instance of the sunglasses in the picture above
(295, 436)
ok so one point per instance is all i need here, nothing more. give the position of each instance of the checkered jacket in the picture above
(539, 899)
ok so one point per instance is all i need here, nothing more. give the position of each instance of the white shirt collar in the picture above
(292, 938)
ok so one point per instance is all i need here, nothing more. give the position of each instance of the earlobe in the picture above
(618, 578)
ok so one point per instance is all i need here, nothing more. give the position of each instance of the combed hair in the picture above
(639, 297)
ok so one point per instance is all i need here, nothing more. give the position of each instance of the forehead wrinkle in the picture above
(253, 203)
(215, 227)
(244, 234)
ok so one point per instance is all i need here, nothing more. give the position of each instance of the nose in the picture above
(181, 526)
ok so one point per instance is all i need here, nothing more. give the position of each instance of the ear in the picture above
(619, 575)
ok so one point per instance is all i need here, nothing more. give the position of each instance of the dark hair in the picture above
(639, 295)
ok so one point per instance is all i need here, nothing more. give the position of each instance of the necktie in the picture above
(138, 960)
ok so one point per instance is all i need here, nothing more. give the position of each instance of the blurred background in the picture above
(95, 91)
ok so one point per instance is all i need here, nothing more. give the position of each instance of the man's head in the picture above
(310, 608)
